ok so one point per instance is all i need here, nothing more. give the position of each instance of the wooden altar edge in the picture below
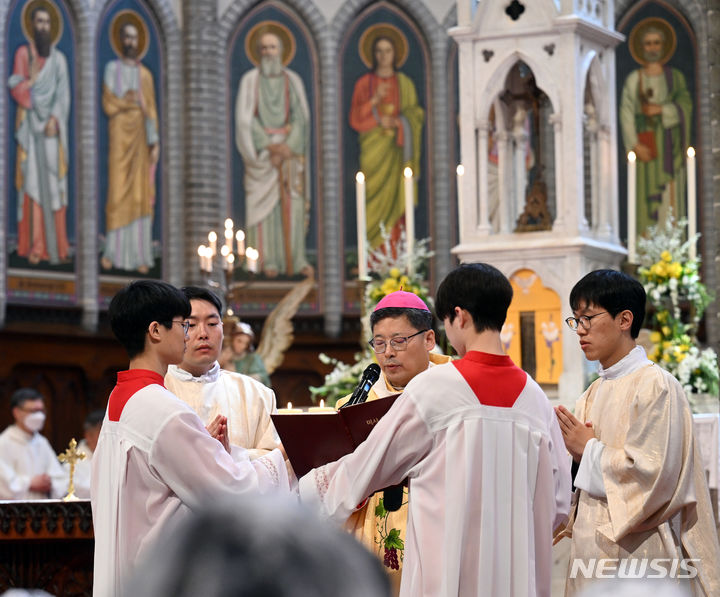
(45, 520)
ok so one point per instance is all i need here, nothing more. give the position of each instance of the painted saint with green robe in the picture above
(389, 122)
(655, 119)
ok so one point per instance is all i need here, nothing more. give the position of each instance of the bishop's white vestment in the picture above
(488, 475)
(24, 455)
(154, 463)
(245, 402)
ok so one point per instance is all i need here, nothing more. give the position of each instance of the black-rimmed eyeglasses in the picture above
(399, 343)
(583, 320)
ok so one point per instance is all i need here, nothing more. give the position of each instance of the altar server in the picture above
(641, 489)
(155, 462)
(477, 439)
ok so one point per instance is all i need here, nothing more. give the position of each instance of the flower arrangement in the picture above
(679, 298)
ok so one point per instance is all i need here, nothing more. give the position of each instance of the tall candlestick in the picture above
(631, 206)
(252, 258)
(240, 237)
(212, 238)
(691, 201)
(201, 256)
(409, 217)
(361, 224)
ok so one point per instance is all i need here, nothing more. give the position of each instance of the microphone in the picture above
(393, 497)
(369, 377)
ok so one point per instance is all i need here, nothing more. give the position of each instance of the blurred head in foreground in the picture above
(258, 545)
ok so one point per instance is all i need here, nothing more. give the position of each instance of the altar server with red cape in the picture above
(478, 442)
(155, 462)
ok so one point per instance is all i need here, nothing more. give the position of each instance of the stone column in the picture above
(205, 205)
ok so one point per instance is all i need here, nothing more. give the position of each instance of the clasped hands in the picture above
(575, 433)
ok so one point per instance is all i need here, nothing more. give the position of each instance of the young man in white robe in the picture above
(641, 490)
(211, 391)
(155, 462)
(29, 467)
(403, 339)
(477, 440)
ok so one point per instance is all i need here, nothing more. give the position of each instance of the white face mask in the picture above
(35, 421)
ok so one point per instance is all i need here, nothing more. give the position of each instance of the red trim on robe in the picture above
(128, 383)
(494, 378)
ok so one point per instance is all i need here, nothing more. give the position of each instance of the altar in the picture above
(48, 545)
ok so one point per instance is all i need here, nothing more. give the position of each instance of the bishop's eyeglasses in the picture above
(398, 343)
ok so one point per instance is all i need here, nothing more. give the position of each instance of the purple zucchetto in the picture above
(403, 300)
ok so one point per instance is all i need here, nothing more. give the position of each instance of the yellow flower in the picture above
(658, 269)
(665, 256)
(675, 270)
(655, 337)
(665, 330)
(389, 285)
(662, 316)
(395, 273)
(405, 283)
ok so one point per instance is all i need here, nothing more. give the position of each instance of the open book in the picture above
(314, 439)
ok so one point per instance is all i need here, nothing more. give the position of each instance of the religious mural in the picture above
(385, 96)
(274, 179)
(41, 151)
(656, 82)
(129, 132)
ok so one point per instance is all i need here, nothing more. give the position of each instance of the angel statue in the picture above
(276, 337)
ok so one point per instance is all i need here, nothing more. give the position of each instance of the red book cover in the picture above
(313, 439)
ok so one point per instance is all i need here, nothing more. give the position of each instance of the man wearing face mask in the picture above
(29, 468)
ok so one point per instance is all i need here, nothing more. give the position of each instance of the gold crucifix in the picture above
(71, 455)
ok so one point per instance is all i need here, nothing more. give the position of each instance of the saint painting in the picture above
(128, 100)
(655, 120)
(389, 120)
(272, 135)
(40, 85)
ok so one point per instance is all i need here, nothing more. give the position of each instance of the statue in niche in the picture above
(526, 101)
(536, 215)
(388, 119)
(272, 134)
(40, 85)
(133, 147)
(655, 118)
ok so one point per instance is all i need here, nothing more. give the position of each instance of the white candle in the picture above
(691, 201)
(229, 239)
(289, 410)
(409, 216)
(631, 206)
(240, 237)
(212, 238)
(361, 225)
(201, 255)
(321, 409)
(229, 262)
(252, 258)
(208, 259)
(460, 170)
